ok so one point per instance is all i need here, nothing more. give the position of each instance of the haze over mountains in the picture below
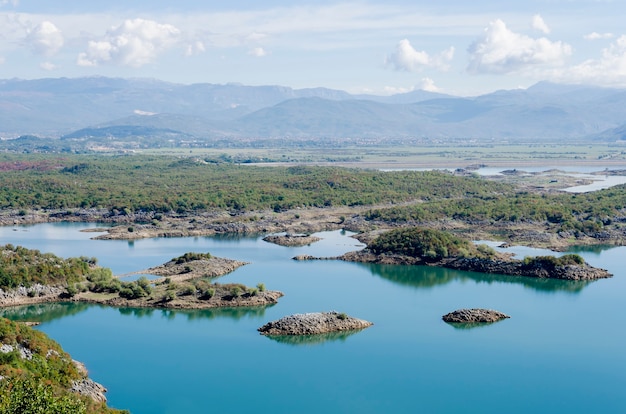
(88, 108)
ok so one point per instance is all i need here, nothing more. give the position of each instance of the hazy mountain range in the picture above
(99, 107)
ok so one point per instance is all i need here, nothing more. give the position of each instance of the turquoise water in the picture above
(563, 350)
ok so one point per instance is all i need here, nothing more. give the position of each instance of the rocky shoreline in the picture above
(313, 324)
(140, 225)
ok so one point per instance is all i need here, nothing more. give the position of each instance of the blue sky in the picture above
(458, 47)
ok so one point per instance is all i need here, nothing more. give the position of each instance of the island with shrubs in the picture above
(416, 245)
(29, 276)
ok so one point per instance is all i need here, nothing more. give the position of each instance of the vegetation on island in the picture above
(80, 276)
(427, 244)
(127, 184)
(586, 213)
(20, 266)
(151, 187)
(37, 375)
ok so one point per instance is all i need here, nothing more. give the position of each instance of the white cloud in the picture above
(133, 43)
(502, 51)
(257, 52)
(2, 60)
(609, 70)
(407, 58)
(12, 2)
(195, 48)
(539, 24)
(427, 84)
(597, 36)
(45, 39)
(49, 66)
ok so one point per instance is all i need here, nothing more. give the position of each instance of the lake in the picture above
(562, 350)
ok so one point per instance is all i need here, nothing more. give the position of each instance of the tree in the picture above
(32, 396)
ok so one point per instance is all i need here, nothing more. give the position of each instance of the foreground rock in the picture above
(474, 316)
(313, 324)
(292, 240)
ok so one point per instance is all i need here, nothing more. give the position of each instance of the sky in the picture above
(382, 47)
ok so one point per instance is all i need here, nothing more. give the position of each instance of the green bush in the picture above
(208, 293)
(188, 290)
(236, 291)
(190, 256)
(32, 396)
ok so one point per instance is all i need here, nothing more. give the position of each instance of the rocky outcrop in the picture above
(292, 240)
(89, 388)
(313, 323)
(212, 267)
(28, 295)
(474, 316)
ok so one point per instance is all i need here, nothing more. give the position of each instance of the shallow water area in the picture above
(562, 350)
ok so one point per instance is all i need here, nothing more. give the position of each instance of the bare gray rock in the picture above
(474, 316)
(313, 323)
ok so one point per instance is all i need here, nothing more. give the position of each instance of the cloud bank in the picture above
(407, 58)
(45, 39)
(502, 51)
(134, 43)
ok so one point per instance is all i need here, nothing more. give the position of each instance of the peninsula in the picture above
(28, 276)
(438, 248)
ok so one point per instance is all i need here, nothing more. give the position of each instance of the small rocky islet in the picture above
(291, 240)
(474, 315)
(315, 323)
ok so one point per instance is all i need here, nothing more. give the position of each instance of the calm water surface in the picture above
(563, 350)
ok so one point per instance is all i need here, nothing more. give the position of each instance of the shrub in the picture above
(188, 290)
(190, 256)
(236, 291)
(70, 290)
(342, 316)
(261, 287)
(208, 293)
(168, 297)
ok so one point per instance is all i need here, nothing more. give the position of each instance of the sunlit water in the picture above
(563, 350)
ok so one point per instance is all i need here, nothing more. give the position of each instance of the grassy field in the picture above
(602, 155)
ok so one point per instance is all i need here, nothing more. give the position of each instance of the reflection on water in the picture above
(312, 339)
(193, 314)
(43, 312)
(46, 312)
(470, 325)
(428, 277)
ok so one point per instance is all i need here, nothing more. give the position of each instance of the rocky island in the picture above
(291, 240)
(439, 248)
(313, 324)
(475, 315)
